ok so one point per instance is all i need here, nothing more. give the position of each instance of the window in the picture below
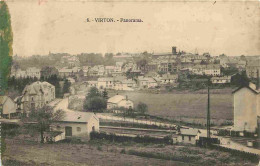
(183, 137)
(189, 138)
(78, 129)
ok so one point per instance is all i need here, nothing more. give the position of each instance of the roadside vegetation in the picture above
(117, 153)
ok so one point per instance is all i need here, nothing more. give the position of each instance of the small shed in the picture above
(189, 136)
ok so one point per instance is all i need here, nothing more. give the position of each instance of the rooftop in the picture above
(115, 99)
(190, 131)
(78, 117)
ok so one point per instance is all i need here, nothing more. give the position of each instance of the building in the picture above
(168, 79)
(69, 72)
(109, 70)
(85, 70)
(221, 80)
(33, 72)
(49, 71)
(35, 95)
(65, 72)
(9, 107)
(246, 108)
(29, 72)
(188, 136)
(118, 101)
(252, 67)
(92, 83)
(106, 82)
(76, 124)
(18, 73)
(70, 61)
(210, 70)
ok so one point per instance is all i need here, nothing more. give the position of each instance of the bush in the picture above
(138, 139)
(99, 148)
(123, 151)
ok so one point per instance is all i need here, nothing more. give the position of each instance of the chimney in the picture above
(174, 52)
(257, 80)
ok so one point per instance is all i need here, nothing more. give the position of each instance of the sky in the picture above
(40, 27)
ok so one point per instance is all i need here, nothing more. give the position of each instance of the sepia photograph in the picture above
(129, 83)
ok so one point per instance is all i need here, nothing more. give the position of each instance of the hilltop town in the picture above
(152, 98)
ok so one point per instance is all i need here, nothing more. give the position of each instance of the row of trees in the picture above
(185, 80)
(86, 59)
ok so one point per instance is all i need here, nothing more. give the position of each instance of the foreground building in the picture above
(9, 107)
(246, 108)
(76, 124)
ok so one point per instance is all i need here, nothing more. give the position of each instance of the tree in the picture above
(66, 86)
(203, 62)
(58, 90)
(240, 79)
(243, 57)
(95, 104)
(142, 108)
(6, 50)
(229, 70)
(105, 94)
(42, 118)
(93, 92)
(223, 56)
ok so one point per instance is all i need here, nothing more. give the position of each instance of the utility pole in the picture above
(208, 112)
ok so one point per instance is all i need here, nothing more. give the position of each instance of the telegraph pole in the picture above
(208, 112)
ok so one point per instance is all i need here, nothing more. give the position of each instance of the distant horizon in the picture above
(103, 54)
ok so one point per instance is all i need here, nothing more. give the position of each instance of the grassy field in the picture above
(108, 153)
(25, 153)
(186, 104)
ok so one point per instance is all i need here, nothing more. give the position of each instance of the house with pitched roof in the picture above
(76, 124)
(9, 107)
(118, 101)
(188, 136)
(246, 108)
(35, 95)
